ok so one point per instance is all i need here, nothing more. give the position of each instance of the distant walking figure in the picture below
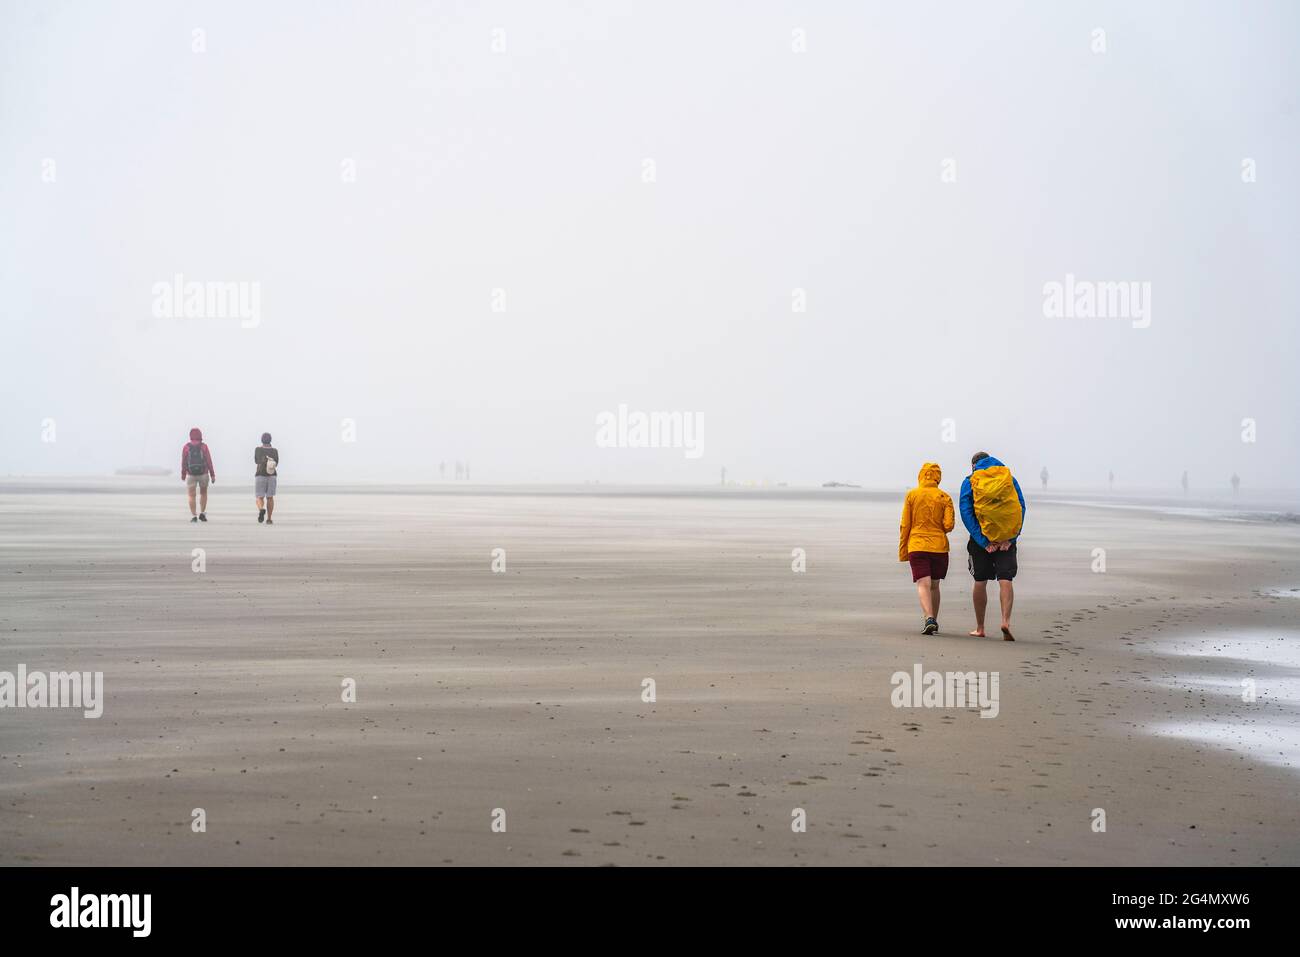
(1112, 481)
(267, 460)
(1043, 475)
(1185, 482)
(993, 511)
(1236, 482)
(196, 472)
(923, 540)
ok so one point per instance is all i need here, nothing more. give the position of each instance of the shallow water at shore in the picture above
(1257, 684)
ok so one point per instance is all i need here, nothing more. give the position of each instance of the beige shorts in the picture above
(200, 480)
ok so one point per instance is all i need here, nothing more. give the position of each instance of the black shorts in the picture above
(985, 565)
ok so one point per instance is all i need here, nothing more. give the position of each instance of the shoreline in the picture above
(1266, 506)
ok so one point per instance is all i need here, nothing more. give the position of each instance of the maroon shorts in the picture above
(933, 564)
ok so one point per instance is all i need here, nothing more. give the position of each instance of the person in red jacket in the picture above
(196, 472)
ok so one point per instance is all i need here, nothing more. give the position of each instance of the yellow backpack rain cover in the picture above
(997, 506)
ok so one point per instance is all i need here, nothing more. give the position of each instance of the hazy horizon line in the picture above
(756, 485)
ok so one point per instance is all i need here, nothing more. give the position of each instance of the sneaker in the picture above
(203, 516)
(269, 522)
(194, 519)
(931, 626)
(261, 515)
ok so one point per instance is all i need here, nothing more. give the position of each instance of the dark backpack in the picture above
(194, 462)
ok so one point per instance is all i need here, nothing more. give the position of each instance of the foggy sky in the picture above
(522, 170)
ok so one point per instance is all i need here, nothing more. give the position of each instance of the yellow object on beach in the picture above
(927, 515)
(996, 504)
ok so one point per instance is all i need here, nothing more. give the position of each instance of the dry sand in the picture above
(522, 690)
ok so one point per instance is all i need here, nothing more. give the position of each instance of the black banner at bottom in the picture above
(302, 906)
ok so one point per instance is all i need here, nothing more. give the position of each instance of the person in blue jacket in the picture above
(986, 559)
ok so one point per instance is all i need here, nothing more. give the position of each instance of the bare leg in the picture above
(261, 503)
(1007, 597)
(934, 597)
(923, 592)
(203, 500)
(190, 495)
(270, 507)
(980, 599)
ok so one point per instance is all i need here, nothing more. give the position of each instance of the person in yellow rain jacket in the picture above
(923, 540)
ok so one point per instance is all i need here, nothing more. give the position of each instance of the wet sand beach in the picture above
(482, 691)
